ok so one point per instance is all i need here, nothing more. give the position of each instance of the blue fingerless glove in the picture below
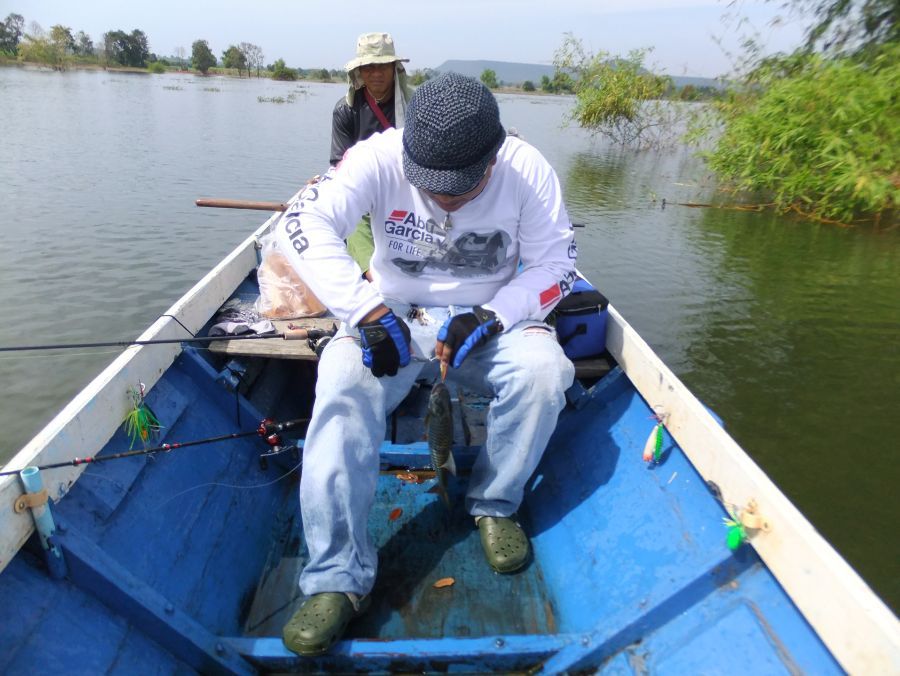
(463, 333)
(385, 344)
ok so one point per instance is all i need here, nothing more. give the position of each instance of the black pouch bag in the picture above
(580, 320)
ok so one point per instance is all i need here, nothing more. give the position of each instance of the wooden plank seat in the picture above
(276, 348)
(299, 349)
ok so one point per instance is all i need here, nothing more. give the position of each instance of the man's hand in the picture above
(463, 333)
(385, 344)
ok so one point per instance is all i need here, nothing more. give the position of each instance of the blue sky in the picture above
(683, 33)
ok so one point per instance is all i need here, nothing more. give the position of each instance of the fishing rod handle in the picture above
(241, 204)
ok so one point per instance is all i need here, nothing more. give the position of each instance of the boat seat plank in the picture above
(275, 348)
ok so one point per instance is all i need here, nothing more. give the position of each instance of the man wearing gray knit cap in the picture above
(473, 248)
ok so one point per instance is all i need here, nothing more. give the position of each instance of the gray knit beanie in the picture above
(452, 132)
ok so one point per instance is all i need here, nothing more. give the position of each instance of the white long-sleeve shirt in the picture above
(423, 257)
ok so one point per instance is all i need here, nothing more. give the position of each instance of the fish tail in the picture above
(450, 464)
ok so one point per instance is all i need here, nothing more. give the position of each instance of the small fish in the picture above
(439, 428)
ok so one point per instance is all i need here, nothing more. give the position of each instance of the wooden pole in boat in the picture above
(264, 206)
(241, 204)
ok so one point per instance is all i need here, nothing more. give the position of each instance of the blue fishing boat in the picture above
(658, 545)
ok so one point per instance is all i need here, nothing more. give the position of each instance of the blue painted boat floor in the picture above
(422, 545)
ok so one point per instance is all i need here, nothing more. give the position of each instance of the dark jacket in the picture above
(350, 124)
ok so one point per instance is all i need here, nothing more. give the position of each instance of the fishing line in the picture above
(66, 354)
(213, 483)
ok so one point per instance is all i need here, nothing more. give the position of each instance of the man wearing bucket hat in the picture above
(376, 100)
(473, 248)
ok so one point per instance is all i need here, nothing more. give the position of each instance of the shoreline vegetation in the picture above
(316, 76)
(815, 132)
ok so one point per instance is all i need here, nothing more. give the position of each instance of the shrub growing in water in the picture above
(820, 135)
(615, 96)
(281, 72)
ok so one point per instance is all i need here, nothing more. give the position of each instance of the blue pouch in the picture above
(580, 320)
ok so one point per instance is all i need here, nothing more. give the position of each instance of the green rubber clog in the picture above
(320, 622)
(505, 544)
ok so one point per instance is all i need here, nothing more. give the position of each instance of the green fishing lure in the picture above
(737, 535)
(140, 422)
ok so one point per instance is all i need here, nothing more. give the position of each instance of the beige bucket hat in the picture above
(373, 48)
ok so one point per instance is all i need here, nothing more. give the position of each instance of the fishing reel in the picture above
(269, 431)
(317, 339)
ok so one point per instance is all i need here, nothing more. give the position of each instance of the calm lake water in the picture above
(789, 330)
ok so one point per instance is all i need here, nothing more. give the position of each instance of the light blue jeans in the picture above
(523, 369)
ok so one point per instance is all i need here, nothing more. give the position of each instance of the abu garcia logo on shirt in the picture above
(295, 233)
(407, 225)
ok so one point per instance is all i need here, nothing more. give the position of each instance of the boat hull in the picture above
(187, 561)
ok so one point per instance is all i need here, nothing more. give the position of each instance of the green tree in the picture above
(126, 49)
(235, 58)
(202, 57)
(11, 31)
(616, 96)
(850, 26)
(419, 76)
(63, 38)
(282, 72)
(489, 78)
(562, 83)
(528, 86)
(137, 49)
(820, 135)
(84, 46)
(323, 75)
(254, 56)
(816, 130)
(43, 50)
(688, 93)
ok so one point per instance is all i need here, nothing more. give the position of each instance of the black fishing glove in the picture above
(463, 333)
(385, 344)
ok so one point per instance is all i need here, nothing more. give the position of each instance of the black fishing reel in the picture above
(317, 339)
(269, 431)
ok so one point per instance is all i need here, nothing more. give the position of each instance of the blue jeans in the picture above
(523, 369)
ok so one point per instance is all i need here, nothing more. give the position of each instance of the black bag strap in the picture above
(580, 330)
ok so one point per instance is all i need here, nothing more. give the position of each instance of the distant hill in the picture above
(516, 73)
(507, 72)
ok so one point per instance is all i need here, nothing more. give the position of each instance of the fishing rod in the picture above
(292, 334)
(268, 429)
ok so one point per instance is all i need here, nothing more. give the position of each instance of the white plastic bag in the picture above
(282, 294)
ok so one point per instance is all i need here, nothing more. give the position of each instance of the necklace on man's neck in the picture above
(448, 223)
